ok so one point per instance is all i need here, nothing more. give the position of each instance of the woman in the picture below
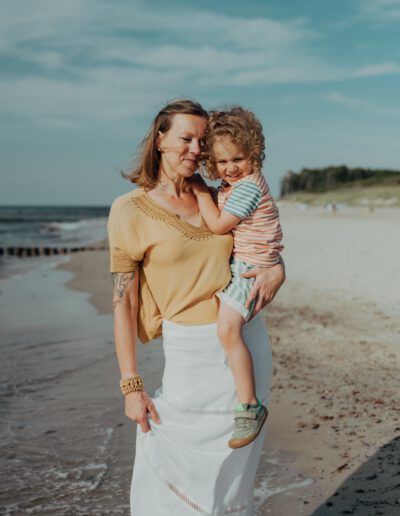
(167, 268)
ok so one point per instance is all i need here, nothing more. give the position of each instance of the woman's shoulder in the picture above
(125, 204)
(127, 200)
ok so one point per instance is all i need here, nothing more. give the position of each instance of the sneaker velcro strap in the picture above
(245, 415)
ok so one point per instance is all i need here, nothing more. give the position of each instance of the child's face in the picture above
(232, 164)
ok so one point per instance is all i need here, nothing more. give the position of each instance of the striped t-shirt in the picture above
(257, 237)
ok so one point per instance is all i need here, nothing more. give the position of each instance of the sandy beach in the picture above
(333, 440)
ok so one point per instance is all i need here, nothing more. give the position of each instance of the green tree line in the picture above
(332, 178)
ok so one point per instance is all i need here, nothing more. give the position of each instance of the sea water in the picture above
(47, 226)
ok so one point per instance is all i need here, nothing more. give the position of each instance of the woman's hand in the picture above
(138, 407)
(266, 285)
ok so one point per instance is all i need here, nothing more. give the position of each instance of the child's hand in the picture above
(198, 185)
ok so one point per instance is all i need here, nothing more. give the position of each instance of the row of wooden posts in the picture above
(46, 251)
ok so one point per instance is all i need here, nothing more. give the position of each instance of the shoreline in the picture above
(66, 446)
(332, 412)
(332, 441)
(90, 279)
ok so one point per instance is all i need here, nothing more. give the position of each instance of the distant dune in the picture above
(370, 197)
(340, 184)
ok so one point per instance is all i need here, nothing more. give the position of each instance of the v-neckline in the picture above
(154, 210)
(158, 206)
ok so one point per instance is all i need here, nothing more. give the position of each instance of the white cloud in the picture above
(377, 69)
(339, 98)
(380, 9)
(102, 32)
(104, 96)
(115, 59)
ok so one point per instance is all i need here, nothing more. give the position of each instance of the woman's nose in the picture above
(195, 147)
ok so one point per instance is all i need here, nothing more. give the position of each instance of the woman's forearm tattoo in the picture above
(121, 281)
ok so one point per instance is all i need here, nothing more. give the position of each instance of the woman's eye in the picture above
(186, 139)
(238, 160)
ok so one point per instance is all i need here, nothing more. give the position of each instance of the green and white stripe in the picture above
(236, 293)
(244, 199)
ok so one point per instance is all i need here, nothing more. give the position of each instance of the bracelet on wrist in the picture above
(132, 384)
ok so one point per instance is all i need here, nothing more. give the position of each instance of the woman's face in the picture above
(180, 145)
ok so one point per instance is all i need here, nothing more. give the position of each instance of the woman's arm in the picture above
(138, 405)
(267, 283)
(219, 222)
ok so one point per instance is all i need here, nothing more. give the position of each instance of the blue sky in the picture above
(81, 80)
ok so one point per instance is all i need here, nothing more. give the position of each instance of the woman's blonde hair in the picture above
(240, 126)
(145, 171)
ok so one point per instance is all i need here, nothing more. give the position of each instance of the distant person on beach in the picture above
(234, 152)
(167, 268)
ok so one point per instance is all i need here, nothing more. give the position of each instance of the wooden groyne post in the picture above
(22, 252)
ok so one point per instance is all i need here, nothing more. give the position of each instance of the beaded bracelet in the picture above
(133, 384)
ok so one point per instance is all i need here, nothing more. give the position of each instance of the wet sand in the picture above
(333, 442)
(66, 447)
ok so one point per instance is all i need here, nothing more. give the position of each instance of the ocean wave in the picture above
(54, 234)
(48, 214)
(78, 225)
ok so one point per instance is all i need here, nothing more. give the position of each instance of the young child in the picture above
(234, 151)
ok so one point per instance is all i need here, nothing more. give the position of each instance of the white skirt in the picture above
(184, 466)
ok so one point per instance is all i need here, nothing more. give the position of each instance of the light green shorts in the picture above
(238, 290)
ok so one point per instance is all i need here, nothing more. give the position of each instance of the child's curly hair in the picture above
(243, 128)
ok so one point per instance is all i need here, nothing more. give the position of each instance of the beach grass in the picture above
(357, 196)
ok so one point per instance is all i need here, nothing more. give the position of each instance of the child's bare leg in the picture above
(230, 324)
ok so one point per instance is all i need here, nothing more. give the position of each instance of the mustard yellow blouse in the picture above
(181, 267)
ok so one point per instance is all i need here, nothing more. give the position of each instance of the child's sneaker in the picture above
(249, 420)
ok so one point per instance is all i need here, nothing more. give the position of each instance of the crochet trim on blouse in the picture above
(150, 208)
